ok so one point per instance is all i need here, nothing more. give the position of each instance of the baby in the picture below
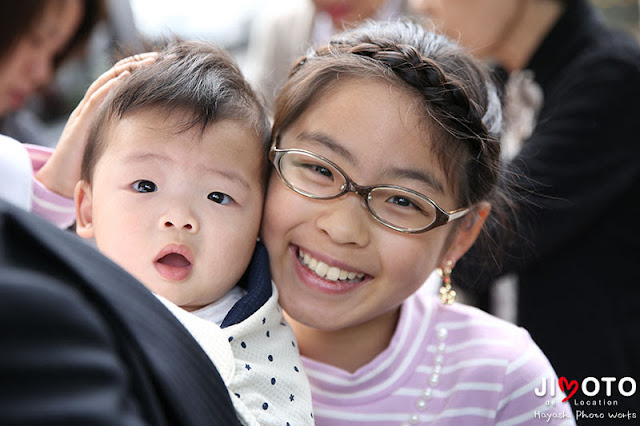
(173, 182)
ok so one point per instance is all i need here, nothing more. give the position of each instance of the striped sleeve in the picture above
(56, 208)
(531, 391)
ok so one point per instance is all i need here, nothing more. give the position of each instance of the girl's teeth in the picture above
(333, 273)
(322, 269)
(325, 271)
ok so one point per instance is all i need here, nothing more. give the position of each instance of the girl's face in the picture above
(29, 65)
(371, 130)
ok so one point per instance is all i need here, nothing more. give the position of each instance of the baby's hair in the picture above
(460, 105)
(195, 79)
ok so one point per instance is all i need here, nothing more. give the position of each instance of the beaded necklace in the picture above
(423, 401)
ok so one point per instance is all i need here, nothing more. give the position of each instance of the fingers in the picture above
(136, 58)
(95, 99)
(124, 65)
(127, 64)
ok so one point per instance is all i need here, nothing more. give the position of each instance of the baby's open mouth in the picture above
(175, 260)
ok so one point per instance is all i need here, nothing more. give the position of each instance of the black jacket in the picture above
(577, 189)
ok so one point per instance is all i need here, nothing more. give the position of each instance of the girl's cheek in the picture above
(271, 219)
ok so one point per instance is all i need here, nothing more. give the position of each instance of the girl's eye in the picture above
(144, 186)
(321, 170)
(317, 169)
(220, 198)
(403, 202)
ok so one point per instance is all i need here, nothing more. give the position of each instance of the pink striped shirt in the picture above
(445, 365)
(57, 209)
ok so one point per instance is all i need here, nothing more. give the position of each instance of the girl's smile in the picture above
(327, 275)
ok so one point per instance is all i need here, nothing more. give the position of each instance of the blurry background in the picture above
(621, 13)
(130, 26)
(226, 22)
(223, 21)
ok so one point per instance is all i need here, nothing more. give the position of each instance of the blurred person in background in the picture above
(280, 36)
(36, 37)
(576, 175)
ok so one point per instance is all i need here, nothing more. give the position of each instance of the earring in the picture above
(447, 294)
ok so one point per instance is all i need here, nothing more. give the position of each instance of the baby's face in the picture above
(179, 211)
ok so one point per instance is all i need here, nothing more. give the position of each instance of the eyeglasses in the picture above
(396, 207)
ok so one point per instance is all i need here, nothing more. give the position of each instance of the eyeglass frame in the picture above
(442, 216)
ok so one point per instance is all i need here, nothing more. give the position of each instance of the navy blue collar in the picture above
(257, 283)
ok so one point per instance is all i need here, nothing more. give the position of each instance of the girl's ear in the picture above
(467, 232)
(84, 209)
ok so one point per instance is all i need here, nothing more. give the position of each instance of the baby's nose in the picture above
(170, 224)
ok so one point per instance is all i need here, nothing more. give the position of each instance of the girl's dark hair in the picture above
(461, 108)
(197, 80)
(17, 18)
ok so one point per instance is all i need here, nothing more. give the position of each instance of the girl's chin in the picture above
(313, 315)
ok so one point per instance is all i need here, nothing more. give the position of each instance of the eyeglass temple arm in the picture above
(456, 214)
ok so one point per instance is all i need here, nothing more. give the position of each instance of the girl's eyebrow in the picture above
(328, 142)
(421, 176)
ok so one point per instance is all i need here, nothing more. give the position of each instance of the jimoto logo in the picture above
(590, 387)
(591, 399)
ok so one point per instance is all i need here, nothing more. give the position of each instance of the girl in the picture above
(386, 153)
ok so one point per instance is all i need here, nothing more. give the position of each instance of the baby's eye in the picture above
(144, 185)
(220, 198)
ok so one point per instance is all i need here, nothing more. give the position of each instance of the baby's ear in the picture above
(84, 209)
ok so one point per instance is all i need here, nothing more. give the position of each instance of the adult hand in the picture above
(62, 171)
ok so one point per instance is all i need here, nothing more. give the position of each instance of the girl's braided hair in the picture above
(461, 107)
